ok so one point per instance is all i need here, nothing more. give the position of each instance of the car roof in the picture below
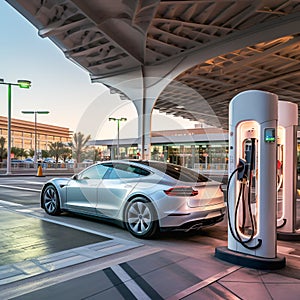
(176, 172)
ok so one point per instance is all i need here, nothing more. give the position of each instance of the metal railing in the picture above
(211, 167)
(202, 167)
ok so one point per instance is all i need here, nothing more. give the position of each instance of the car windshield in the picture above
(175, 171)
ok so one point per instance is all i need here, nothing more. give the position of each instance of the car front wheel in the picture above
(141, 219)
(50, 201)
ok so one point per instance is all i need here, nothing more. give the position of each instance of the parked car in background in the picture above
(70, 161)
(16, 161)
(89, 161)
(28, 161)
(143, 196)
(49, 160)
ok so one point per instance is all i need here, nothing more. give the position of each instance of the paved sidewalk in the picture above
(168, 275)
(119, 269)
(114, 268)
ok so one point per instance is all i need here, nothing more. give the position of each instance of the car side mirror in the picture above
(75, 177)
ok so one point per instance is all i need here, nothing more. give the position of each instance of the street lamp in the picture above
(24, 84)
(35, 112)
(118, 120)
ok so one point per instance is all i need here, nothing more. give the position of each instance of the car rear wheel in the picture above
(141, 218)
(50, 201)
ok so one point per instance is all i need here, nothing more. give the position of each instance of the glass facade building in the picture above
(199, 148)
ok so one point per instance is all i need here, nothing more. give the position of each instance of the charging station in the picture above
(252, 188)
(287, 173)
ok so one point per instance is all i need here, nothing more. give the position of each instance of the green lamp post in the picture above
(24, 84)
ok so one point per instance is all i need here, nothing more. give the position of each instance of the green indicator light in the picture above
(270, 139)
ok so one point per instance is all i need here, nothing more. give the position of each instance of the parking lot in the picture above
(62, 255)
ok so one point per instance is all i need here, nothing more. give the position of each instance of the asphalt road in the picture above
(25, 191)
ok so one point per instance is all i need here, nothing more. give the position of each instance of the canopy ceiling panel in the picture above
(108, 38)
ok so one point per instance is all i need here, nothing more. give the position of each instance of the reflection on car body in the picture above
(145, 196)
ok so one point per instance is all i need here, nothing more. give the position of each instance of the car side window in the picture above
(94, 172)
(119, 170)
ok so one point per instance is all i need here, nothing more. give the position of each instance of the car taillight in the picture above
(181, 191)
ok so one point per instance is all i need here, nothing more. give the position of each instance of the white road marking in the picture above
(35, 182)
(130, 283)
(10, 203)
(24, 210)
(19, 188)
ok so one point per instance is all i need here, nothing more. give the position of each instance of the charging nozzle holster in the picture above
(242, 169)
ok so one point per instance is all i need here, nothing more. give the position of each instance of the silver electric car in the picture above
(143, 196)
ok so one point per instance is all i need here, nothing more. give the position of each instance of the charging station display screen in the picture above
(270, 135)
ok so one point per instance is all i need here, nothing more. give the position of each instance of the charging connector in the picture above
(242, 169)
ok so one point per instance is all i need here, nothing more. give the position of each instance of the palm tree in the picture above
(45, 153)
(66, 153)
(18, 152)
(79, 145)
(2, 149)
(56, 149)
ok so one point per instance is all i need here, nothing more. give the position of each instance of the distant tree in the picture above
(97, 154)
(45, 153)
(3, 153)
(15, 151)
(56, 149)
(67, 152)
(26, 153)
(92, 153)
(30, 152)
(23, 153)
(18, 152)
(79, 145)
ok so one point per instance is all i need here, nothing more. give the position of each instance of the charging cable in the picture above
(242, 169)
